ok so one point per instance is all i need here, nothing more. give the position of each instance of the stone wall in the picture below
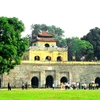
(73, 72)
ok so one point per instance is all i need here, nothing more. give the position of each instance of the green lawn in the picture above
(49, 94)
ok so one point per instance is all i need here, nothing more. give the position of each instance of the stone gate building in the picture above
(44, 64)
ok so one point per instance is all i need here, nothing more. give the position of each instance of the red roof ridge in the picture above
(45, 34)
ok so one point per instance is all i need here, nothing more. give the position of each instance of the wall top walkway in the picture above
(62, 62)
(49, 49)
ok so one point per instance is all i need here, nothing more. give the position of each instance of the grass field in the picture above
(49, 94)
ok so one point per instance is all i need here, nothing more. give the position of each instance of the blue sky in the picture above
(75, 17)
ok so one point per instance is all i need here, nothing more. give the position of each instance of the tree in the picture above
(55, 31)
(78, 48)
(94, 38)
(12, 46)
(61, 42)
(37, 28)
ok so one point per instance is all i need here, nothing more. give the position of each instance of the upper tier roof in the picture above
(45, 34)
(44, 37)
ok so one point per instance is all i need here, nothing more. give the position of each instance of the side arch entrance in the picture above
(35, 82)
(0, 83)
(49, 81)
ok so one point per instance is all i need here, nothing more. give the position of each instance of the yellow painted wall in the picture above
(40, 50)
(44, 53)
(39, 43)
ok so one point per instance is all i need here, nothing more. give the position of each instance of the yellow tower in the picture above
(44, 48)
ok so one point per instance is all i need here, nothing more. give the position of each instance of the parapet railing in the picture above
(49, 48)
(61, 62)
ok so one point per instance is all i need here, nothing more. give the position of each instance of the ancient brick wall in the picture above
(73, 73)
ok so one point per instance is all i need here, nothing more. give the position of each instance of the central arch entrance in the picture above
(97, 80)
(49, 81)
(34, 82)
(63, 80)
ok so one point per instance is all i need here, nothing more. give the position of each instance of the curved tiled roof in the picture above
(44, 34)
(44, 37)
(47, 39)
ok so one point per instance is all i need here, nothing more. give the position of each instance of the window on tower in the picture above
(47, 45)
(48, 58)
(37, 58)
(59, 58)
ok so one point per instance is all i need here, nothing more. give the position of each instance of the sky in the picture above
(75, 17)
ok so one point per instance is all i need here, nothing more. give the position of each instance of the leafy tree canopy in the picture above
(12, 46)
(78, 48)
(55, 31)
(94, 38)
(75, 46)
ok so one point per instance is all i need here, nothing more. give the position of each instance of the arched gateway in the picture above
(34, 82)
(63, 80)
(97, 80)
(0, 83)
(49, 81)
